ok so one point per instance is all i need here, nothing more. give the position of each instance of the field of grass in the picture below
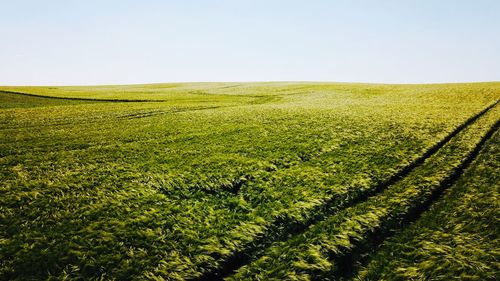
(457, 239)
(249, 181)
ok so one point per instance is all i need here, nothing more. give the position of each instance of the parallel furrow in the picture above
(283, 230)
(330, 248)
(350, 262)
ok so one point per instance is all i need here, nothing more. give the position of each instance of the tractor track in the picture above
(282, 230)
(78, 99)
(349, 263)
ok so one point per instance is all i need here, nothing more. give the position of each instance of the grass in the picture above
(457, 239)
(309, 254)
(205, 180)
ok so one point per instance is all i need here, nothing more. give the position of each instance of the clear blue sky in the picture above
(123, 41)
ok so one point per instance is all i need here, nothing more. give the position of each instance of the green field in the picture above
(250, 181)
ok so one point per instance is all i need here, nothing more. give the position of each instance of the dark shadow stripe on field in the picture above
(282, 230)
(79, 99)
(349, 264)
(174, 110)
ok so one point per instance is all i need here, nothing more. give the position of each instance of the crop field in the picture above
(250, 181)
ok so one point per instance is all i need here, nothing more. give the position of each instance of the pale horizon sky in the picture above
(57, 42)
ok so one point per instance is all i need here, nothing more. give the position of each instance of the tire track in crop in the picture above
(282, 230)
(259, 99)
(144, 114)
(360, 255)
(79, 99)
(105, 119)
(230, 86)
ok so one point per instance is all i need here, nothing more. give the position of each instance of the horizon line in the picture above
(256, 82)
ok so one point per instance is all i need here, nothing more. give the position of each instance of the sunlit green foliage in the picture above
(457, 239)
(174, 187)
(313, 253)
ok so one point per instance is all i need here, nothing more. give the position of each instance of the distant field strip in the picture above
(283, 230)
(332, 247)
(78, 99)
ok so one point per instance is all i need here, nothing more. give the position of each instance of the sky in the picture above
(89, 42)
